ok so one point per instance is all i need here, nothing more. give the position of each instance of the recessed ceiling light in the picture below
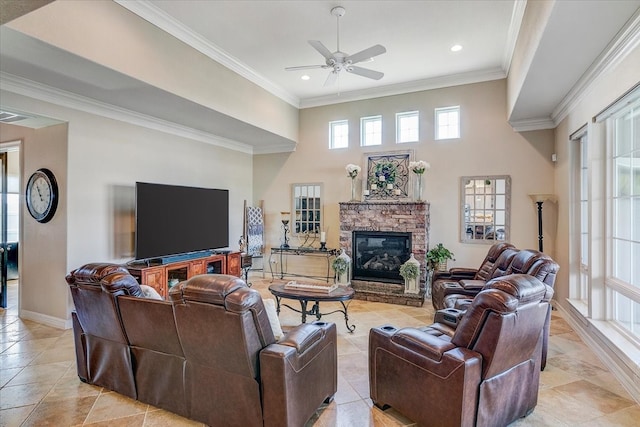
(305, 77)
(456, 48)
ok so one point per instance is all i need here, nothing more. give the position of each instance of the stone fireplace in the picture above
(375, 233)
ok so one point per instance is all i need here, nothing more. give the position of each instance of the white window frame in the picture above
(407, 134)
(452, 129)
(332, 134)
(370, 137)
(623, 251)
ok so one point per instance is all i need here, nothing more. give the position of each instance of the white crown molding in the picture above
(275, 149)
(408, 87)
(517, 15)
(532, 124)
(15, 84)
(147, 11)
(624, 43)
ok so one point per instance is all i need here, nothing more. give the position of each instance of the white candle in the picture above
(374, 186)
(366, 192)
(397, 191)
(381, 178)
(323, 237)
(389, 186)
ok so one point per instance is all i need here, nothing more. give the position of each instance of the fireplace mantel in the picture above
(402, 216)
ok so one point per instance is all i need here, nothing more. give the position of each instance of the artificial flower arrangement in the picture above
(352, 170)
(419, 167)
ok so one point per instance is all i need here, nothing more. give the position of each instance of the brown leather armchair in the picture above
(208, 354)
(486, 374)
(236, 373)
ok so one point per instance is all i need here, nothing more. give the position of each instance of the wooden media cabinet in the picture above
(162, 276)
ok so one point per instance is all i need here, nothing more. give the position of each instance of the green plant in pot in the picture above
(437, 257)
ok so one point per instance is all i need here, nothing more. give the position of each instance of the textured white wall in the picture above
(488, 146)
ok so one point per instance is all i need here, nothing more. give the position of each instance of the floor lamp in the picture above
(539, 199)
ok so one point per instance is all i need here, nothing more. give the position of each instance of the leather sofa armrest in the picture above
(305, 355)
(460, 273)
(422, 343)
(448, 316)
(472, 285)
(303, 337)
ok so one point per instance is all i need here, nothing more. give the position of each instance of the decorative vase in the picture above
(418, 187)
(353, 189)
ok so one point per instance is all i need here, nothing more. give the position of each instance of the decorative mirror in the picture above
(307, 213)
(485, 202)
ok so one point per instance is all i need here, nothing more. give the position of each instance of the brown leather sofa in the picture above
(208, 354)
(452, 291)
(486, 374)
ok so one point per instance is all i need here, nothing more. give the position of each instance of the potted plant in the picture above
(437, 257)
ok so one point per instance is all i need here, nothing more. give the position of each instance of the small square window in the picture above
(448, 122)
(407, 127)
(339, 134)
(371, 131)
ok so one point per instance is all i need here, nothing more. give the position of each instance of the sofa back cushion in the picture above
(221, 323)
(488, 264)
(505, 321)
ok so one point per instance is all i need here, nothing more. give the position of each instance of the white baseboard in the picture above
(54, 322)
(623, 368)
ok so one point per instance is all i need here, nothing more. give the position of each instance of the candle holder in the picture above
(323, 246)
(285, 228)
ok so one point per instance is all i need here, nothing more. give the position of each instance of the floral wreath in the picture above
(386, 169)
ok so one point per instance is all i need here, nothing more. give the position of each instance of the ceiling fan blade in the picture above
(366, 54)
(331, 79)
(306, 67)
(365, 72)
(317, 45)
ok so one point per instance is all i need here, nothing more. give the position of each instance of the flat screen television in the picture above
(173, 219)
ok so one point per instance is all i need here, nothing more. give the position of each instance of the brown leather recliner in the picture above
(443, 281)
(486, 374)
(236, 373)
(209, 354)
(105, 357)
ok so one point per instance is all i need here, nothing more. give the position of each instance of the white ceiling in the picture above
(258, 39)
(267, 36)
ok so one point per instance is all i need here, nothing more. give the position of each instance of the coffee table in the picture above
(341, 294)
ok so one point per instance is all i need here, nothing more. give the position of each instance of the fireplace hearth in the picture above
(406, 227)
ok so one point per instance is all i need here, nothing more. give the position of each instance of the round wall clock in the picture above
(42, 195)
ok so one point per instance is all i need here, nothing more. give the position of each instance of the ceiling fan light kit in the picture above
(338, 60)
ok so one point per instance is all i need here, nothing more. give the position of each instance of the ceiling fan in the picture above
(338, 61)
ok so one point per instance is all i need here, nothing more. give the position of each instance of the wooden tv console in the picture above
(160, 276)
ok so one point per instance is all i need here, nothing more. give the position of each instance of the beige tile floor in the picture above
(39, 386)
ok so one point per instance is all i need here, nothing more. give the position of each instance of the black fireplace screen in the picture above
(378, 255)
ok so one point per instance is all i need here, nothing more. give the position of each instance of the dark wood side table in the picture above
(341, 294)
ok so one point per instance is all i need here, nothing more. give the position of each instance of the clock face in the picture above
(42, 195)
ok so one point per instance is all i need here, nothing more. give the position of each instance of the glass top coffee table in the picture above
(342, 294)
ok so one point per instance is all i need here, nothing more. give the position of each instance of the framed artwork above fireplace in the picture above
(387, 175)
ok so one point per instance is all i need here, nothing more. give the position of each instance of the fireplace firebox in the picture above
(378, 255)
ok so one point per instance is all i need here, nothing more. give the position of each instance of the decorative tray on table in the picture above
(324, 289)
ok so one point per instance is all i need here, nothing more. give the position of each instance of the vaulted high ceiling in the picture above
(258, 39)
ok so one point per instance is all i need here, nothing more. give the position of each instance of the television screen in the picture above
(172, 219)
